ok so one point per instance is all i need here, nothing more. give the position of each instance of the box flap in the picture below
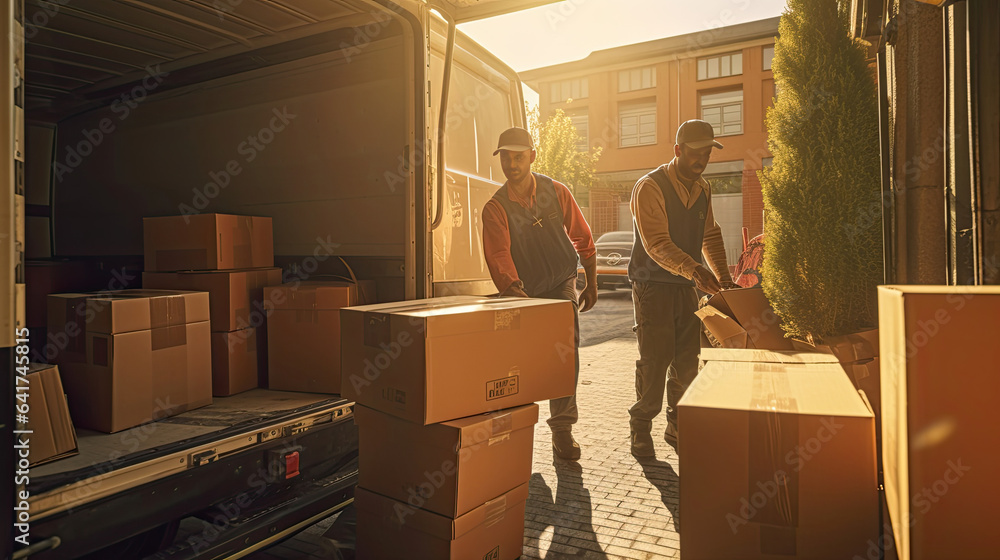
(135, 310)
(941, 290)
(818, 389)
(452, 315)
(311, 295)
(848, 348)
(748, 308)
(490, 513)
(493, 426)
(726, 331)
(400, 513)
(765, 356)
(456, 434)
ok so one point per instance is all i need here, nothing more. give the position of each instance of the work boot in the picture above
(642, 444)
(670, 434)
(564, 446)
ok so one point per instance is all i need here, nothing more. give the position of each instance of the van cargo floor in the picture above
(224, 417)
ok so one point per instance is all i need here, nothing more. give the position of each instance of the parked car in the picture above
(614, 250)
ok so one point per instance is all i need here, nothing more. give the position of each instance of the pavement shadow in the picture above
(570, 514)
(661, 475)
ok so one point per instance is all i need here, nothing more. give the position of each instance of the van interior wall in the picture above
(316, 144)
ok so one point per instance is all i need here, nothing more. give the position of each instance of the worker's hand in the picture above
(514, 290)
(705, 280)
(728, 284)
(588, 297)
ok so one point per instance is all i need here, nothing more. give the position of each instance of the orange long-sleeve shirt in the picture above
(496, 232)
(649, 213)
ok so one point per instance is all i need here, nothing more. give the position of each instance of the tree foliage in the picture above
(558, 157)
(822, 260)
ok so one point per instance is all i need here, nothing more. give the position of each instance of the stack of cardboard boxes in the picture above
(445, 390)
(232, 259)
(304, 332)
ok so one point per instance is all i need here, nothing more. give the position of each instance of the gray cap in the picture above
(697, 134)
(515, 139)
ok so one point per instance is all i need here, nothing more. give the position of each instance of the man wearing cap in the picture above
(672, 214)
(533, 231)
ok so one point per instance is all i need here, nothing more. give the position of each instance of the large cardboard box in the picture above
(435, 360)
(53, 436)
(449, 468)
(940, 354)
(207, 242)
(304, 333)
(743, 318)
(147, 356)
(778, 461)
(389, 529)
(234, 362)
(232, 293)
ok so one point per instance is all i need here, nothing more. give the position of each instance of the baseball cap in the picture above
(697, 134)
(515, 139)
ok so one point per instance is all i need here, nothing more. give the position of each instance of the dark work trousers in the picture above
(669, 343)
(563, 412)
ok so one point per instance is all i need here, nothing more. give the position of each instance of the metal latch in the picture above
(204, 457)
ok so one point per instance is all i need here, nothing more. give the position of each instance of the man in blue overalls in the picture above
(533, 231)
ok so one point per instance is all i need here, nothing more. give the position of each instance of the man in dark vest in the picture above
(672, 214)
(533, 231)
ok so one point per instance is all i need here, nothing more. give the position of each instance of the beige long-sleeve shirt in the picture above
(650, 215)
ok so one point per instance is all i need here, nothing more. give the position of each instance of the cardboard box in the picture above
(207, 242)
(232, 293)
(449, 468)
(67, 328)
(234, 362)
(435, 360)
(53, 436)
(778, 462)
(303, 334)
(147, 356)
(939, 384)
(858, 347)
(391, 529)
(743, 318)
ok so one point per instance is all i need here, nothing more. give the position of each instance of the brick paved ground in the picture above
(607, 506)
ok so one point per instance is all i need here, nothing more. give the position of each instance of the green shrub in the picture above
(822, 256)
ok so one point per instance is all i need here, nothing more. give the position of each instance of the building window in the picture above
(767, 162)
(720, 66)
(636, 78)
(568, 89)
(724, 111)
(768, 57)
(581, 123)
(637, 124)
